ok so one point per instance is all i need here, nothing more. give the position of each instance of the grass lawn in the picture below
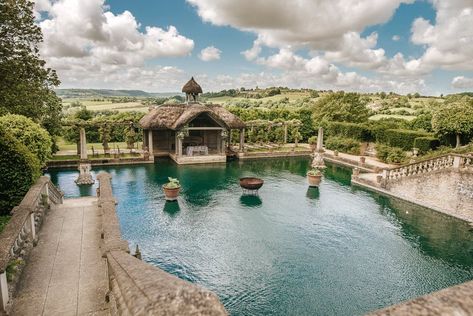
(99, 157)
(63, 145)
(3, 222)
(284, 148)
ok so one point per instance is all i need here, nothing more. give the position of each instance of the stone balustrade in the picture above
(428, 165)
(137, 288)
(20, 234)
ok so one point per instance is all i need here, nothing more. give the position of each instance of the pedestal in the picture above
(318, 161)
(85, 177)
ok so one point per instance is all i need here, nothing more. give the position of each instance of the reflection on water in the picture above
(332, 250)
(171, 207)
(250, 200)
(313, 193)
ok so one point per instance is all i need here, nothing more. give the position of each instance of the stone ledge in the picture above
(456, 300)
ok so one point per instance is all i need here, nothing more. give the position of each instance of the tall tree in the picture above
(455, 117)
(25, 82)
(341, 107)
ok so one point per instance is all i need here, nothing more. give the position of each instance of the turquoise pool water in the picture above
(335, 250)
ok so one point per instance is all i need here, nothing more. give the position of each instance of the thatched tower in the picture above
(192, 90)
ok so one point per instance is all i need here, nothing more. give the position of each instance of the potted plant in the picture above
(171, 189)
(314, 176)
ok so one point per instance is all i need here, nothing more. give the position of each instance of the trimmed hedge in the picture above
(400, 137)
(343, 144)
(390, 154)
(19, 169)
(349, 130)
(424, 144)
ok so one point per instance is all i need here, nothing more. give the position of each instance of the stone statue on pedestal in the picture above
(318, 161)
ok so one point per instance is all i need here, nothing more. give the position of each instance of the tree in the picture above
(454, 117)
(30, 134)
(25, 82)
(19, 169)
(341, 107)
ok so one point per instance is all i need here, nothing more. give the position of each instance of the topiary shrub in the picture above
(19, 169)
(30, 134)
(390, 154)
(343, 144)
(424, 144)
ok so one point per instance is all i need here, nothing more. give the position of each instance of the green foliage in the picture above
(314, 172)
(341, 107)
(357, 131)
(399, 137)
(343, 144)
(424, 144)
(455, 117)
(30, 134)
(26, 84)
(19, 169)
(312, 140)
(423, 121)
(3, 222)
(390, 154)
(172, 184)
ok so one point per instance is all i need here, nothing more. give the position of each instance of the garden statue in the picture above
(318, 161)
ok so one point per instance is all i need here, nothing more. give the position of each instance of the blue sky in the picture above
(392, 45)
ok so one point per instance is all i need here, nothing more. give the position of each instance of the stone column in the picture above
(219, 143)
(320, 140)
(285, 133)
(83, 144)
(150, 145)
(179, 147)
(242, 140)
(4, 296)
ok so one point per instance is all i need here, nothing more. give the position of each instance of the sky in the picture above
(403, 46)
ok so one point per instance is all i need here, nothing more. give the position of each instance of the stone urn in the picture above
(335, 153)
(362, 160)
(314, 177)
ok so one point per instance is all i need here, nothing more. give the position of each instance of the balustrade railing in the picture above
(429, 165)
(19, 235)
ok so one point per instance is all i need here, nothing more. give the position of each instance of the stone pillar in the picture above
(457, 162)
(32, 227)
(285, 133)
(4, 296)
(242, 140)
(85, 177)
(83, 144)
(150, 145)
(320, 140)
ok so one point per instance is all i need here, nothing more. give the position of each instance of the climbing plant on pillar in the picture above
(130, 136)
(105, 137)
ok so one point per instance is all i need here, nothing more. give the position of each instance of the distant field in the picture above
(108, 105)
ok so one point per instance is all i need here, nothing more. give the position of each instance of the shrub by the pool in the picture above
(424, 144)
(30, 134)
(19, 169)
(390, 154)
(343, 144)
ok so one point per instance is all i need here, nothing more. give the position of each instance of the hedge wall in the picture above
(351, 130)
(19, 169)
(399, 137)
(426, 143)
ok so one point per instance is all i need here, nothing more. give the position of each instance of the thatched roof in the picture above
(175, 116)
(192, 87)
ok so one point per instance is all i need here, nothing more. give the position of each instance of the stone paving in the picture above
(65, 273)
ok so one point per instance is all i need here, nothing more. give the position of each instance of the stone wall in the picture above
(447, 189)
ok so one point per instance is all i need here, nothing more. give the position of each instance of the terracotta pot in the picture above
(171, 194)
(314, 181)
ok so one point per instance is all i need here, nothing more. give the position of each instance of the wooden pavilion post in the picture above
(242, 140)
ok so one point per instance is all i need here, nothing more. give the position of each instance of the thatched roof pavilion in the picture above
(182, 130)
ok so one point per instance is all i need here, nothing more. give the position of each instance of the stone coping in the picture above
(455, 300)
(138, 288)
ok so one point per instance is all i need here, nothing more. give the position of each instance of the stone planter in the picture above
(335, 153)
(314, 181)
(171, 194)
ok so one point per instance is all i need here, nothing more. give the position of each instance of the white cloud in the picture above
(82, 36)
(396, 38)
(462, 82)
(210, 53)
(449, 41)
